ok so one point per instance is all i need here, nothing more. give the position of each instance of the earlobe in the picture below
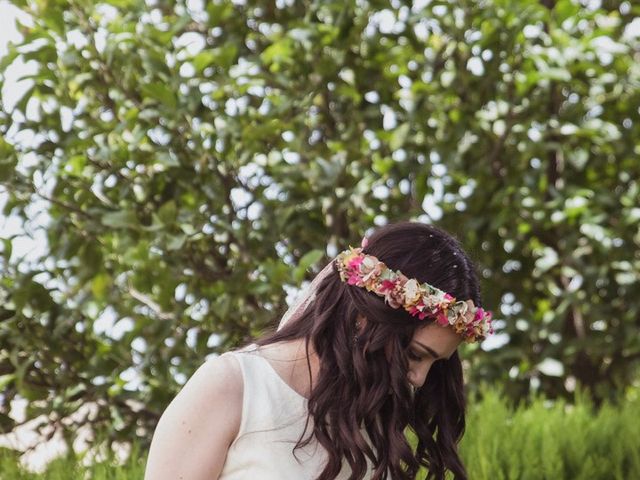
(361, 322)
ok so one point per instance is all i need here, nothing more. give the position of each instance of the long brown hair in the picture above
(364, 384)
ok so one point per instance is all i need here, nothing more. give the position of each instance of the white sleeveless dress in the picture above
(273, 418)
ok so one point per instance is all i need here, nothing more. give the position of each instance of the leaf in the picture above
(74, 391)
(564, 9)
(124, 4)
(7, 423)
(100, 285)
(222, 306)
(167, 159)
(6, 314)
(219, 12)
(399, 136)
(222, 57)
(7, 249)
(38, 296)
(77, 164)
(6, 380)
(168, 212)
(306, 261)
(164, 37)
(176, 242)
(121, 219)
(202, 60)
(382, 166)
(9, 57)
(162, 93)
(53, 18)
(33, 393)
(279, 52)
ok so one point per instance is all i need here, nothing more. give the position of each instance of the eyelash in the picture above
(413, 356)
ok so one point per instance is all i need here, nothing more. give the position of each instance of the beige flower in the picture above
(371, 271)
(431, 301)
(459, 327)
(395, 296)
(368, 264)
(412, 291)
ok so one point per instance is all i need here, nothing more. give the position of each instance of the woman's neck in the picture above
(289, 359)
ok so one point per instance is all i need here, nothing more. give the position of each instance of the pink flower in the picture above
(442, 319)
(386, 285)
(416, 312)
(355, 262)
(394, 296)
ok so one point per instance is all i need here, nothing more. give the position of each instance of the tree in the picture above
(191, 164)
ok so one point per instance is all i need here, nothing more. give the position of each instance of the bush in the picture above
(546, 440)
(542, 440)
(73, 467)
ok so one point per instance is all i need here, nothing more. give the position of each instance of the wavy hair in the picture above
(362, 388)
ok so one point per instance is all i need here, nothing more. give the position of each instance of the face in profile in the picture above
(428, 345)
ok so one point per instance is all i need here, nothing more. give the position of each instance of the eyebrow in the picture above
(431, 350)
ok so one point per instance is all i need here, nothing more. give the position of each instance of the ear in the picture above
(361, 320)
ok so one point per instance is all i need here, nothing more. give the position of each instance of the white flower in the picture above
(368, 264)
(411, 291)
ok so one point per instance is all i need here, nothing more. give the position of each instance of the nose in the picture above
(418, 374)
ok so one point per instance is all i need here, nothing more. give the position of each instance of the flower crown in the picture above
(420, 300)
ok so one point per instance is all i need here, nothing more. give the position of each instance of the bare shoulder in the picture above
(216, 383)
(220, 376)
(197, 428)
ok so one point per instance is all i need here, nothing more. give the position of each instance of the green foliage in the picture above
(541, 440)
(551, 440)
(76, 467)
(183, 164)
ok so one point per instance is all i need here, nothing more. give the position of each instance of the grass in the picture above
(72, 468)
(556, 440)
(543, 440)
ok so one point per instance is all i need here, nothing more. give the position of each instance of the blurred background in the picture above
(172, 173)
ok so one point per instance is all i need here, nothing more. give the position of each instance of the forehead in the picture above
(443, 340)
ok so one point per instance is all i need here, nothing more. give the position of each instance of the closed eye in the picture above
(431, 352)
(413, 356)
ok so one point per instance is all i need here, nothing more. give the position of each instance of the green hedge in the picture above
(545, 440)
(542, 440)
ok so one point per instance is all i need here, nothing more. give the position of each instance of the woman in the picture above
(367, 359)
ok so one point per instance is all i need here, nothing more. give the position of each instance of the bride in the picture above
(361, 380)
